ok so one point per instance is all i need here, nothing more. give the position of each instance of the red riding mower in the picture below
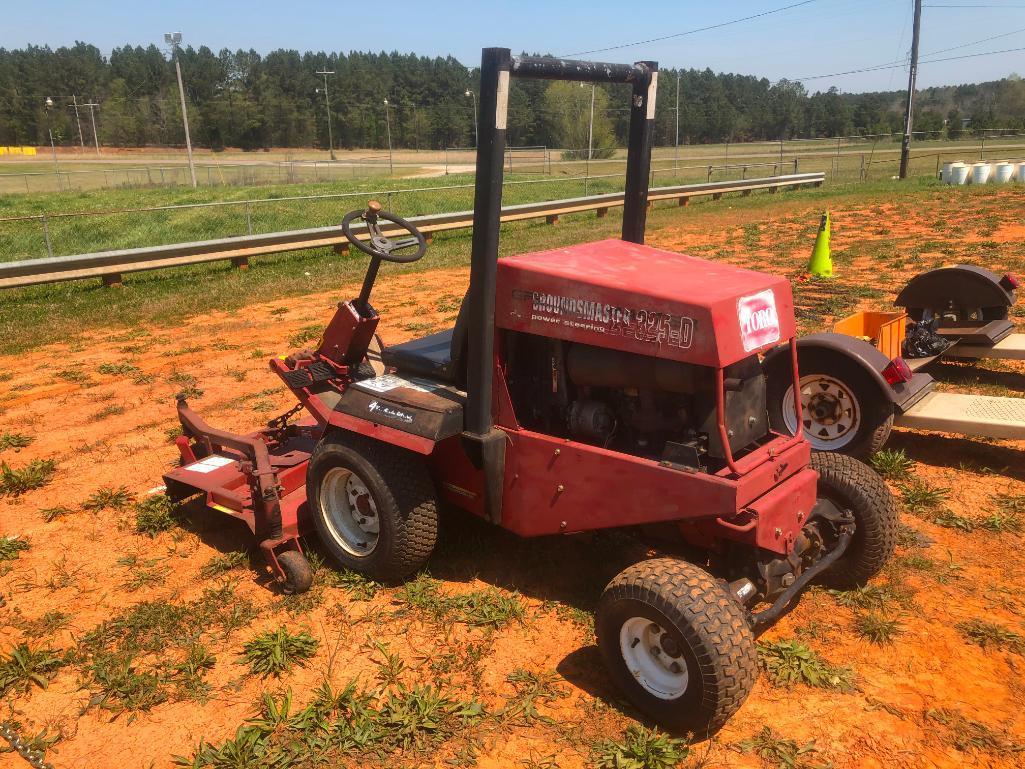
(603, 385)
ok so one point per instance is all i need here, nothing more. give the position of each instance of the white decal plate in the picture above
(759, 322)
(208, 464)
(389, 382)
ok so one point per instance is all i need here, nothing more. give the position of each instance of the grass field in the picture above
(132, 632)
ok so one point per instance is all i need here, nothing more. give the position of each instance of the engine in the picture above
(650, 407)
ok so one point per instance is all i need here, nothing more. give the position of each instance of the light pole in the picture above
(676, 150)
(327, 108)
(53, 148)
(92, 119)
(590, 125)
(387, 123)
(476, 136)
(174, 40)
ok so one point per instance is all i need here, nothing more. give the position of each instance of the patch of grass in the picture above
(532, 687)
(75, 376)
(480, 608)
(113, 410)
(789, 662)
(223, 563)
(24, 666)
(50, 514)
(1008, 515)
(305, 334)
(358, 586)
(892, 463)
(109, 498)
(148, 654)
(155, 514)
(12, 547)
(173, 432)
(189, 392)
(877, 628)
(991, 635)
(34, 475)
(238, 374)
(640, 748)
(920, 497)
(14, 441)
(46, 625)
(143, 379)
(966, 734)
(277, 651)
(117, 368)
(783, 753)
(865, 597)
(948, 519)
(142, 573)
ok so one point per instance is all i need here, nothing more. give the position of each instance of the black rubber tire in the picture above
(876, 408)
(853, 485)
(707, 624)
(403, 493)
(298, 574)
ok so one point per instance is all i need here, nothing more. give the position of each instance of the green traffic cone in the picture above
(821, 264)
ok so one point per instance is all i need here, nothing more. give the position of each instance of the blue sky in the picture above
(821, 37)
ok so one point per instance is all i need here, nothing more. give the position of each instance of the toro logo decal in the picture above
(759, 323)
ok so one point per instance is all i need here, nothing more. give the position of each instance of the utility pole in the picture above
(476, 137)
(174, 40)
(78, 120)
(53, 147)
(905, 147)
(387, 123)
(92, 118)
(676, 151)
(327, 107)
(590, 125)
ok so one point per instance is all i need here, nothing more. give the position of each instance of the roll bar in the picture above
(485, 446)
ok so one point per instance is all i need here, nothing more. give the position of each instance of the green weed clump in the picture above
(784, 753)
(277, 651)
(991, 635)
(877, 628)
(24, 666)
(155, 514)
(480, 608)
(892, 464)
(12, 547)
(223, 563)
(34, 475)
(14, 441)
(109, 498)
(790, 662)
(640, 748)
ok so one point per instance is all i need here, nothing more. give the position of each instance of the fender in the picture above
(963, 285)
(860, 352)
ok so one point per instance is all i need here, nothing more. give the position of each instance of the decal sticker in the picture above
(759, 323)
(389, 382)
(382, 409)
(644, 325)
(208, 464)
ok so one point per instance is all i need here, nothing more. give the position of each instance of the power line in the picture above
(902, 64)
(973, 6)
(693, 31)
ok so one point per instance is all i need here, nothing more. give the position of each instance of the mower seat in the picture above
(429, 357)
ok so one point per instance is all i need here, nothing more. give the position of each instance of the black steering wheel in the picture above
(380, 246)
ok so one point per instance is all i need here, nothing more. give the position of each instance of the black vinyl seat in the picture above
(430, 356)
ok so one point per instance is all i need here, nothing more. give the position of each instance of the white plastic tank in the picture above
(959, 173)
(980, 173)
(1021, 172)
(945, 173)
(1002, 172)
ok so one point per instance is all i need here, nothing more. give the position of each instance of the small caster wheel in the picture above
(298, 574)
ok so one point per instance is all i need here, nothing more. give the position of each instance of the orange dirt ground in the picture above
(930, 698)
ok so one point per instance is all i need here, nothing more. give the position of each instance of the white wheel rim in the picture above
(350, 511)
(653, 658)
(829, 410)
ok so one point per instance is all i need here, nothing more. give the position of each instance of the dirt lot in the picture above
(146, 630)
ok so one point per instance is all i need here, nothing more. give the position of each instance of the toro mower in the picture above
(604, 385)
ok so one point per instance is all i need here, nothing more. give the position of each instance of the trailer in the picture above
(856, 382)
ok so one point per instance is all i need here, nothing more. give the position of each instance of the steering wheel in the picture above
(382, 246)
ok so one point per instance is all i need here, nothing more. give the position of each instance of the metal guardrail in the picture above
(109, 265)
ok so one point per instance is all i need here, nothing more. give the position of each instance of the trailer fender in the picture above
(962, 287)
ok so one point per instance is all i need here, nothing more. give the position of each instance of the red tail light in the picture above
(1009, 282)
(897, 372)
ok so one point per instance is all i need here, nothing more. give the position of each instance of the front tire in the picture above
(374, 505)
(677, 645)
(852, 485)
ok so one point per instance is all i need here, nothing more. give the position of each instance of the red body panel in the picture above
(645, 300)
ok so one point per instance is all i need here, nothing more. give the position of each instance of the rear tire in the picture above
(853, 485)
(705, 664)
(850, 415)
(374, 505)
